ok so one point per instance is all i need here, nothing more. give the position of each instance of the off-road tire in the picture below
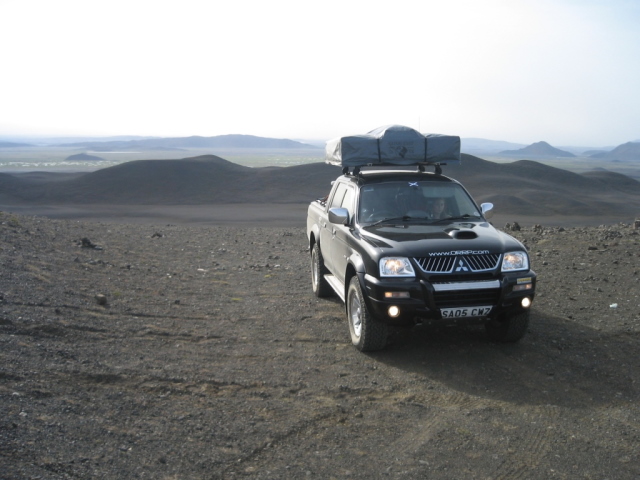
(508, 329)
(367, 333)
(321, 287)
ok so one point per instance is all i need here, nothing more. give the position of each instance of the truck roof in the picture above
(379, 176)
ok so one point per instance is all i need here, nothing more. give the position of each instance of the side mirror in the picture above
(338, 216)
(487, 210)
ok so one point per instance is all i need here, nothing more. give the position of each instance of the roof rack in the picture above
(419, 167)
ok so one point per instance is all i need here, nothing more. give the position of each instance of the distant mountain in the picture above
(220, 141)
(83, 157)
(538, 149)
(626, 152)
(32, 141)
(482, 146)
(14, 145)
(595, 153)
(582, 151)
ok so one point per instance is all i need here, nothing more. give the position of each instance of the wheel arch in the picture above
(313, 238)
(355, 267)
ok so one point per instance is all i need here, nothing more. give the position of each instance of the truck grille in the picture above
(459, 263)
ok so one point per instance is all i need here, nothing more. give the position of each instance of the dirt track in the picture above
(212, 359)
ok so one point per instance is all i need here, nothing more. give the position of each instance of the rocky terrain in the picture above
(186, 352)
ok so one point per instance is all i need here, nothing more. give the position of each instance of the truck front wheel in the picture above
(321, 287)
(508, 329)
(367, 333)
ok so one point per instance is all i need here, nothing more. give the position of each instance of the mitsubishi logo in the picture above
(462, 266)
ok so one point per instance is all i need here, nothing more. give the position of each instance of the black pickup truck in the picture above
(404, 245)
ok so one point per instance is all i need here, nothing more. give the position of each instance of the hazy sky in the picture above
(563, 71)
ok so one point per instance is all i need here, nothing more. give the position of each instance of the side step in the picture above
(336, 285)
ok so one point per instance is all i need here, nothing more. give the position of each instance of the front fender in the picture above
(314, 235)
(355, 260)
(355, 266)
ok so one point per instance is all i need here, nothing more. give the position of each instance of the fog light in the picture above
(526, 302)
(393, 311)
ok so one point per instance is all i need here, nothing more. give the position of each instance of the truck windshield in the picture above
(405, 200)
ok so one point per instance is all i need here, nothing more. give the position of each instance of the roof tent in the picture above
(393, 145)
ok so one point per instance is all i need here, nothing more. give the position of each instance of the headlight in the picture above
(513, 261)
(396, 267)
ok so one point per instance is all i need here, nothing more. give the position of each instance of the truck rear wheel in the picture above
(508, 329)
(367, 333)
(321, 287)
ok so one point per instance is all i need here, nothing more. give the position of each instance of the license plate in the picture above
(465, 312)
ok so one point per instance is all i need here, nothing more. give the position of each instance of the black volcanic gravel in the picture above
(182, 352)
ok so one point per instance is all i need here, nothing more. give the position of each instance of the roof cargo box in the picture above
(393, 145)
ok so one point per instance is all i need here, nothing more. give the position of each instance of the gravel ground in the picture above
(186, 352)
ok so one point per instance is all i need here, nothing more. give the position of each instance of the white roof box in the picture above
(393, 145)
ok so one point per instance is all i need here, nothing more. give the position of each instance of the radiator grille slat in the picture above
(447, 263)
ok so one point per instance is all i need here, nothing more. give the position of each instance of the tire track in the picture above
(536, 445)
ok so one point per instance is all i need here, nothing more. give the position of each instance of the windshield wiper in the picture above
(404, 218)
(466, 216)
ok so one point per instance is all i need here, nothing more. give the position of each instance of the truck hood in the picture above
(414, 239)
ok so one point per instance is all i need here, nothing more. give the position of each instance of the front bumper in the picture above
(419, 298)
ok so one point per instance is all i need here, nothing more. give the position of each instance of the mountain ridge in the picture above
(538, 149)
(195, 141)
(525, 186)
(629, 151)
